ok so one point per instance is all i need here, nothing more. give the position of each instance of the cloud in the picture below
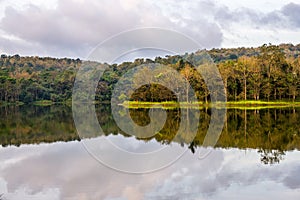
(73, 27)
(292, 11)
(249, 27)
(287, 17)
(81, 25)
(293, 179)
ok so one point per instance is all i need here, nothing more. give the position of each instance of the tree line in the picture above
(269, 72)
(29, 79)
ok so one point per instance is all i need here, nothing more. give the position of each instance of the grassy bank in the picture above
(166, 104)
(248, 105)
(261, 104)
(229, 104)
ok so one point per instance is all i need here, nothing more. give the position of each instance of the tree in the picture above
(187, 73)
(226, 70)
(293, 77)
(255, 78)
(242, 70)
(272, 60)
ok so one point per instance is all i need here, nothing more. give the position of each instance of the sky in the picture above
(73, 28)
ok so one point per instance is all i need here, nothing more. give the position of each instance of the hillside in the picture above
(269, 72)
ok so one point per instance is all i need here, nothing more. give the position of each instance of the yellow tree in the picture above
(226, 71)
(293, 76)
(242, 70)
(187, 73)
(255, 77)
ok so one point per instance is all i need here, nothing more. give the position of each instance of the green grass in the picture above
(252, 102)
(230, 104)
(165, 104)
(248, 105)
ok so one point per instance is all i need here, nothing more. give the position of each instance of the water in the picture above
(256, 156)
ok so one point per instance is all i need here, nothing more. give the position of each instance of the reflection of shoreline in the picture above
(274, 129)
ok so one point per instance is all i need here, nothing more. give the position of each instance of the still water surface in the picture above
(256, 157)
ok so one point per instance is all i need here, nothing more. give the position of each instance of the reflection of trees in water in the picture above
(273, 131)
(269, 156)
(36, 124)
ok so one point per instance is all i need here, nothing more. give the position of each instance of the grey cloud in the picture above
(273, 19)
(293, 179)
(287, 17)
(23, 47)
(76, 26)
(227, 17)
(69, 27)
(292, 11)
(206, 33)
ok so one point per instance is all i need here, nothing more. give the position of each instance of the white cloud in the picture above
(73, 27)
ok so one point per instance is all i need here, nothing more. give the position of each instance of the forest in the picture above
(266, 73)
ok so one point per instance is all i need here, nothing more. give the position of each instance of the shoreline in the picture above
(229, 104)
(248, 105)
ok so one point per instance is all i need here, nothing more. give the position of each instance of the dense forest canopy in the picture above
(269, 72)
(29, 79)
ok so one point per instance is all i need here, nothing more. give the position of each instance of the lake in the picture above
(255, 156)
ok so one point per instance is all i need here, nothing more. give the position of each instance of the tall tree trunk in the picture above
(235, 94)
(187, 92)
(225, 88)
(245, 89)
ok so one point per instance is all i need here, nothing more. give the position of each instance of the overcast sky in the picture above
(72, 28)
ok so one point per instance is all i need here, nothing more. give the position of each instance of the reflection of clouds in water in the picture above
(293, 179)
(133, 145)
(231, 179)
(69, 167)
(67, 171)
(27, 194)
